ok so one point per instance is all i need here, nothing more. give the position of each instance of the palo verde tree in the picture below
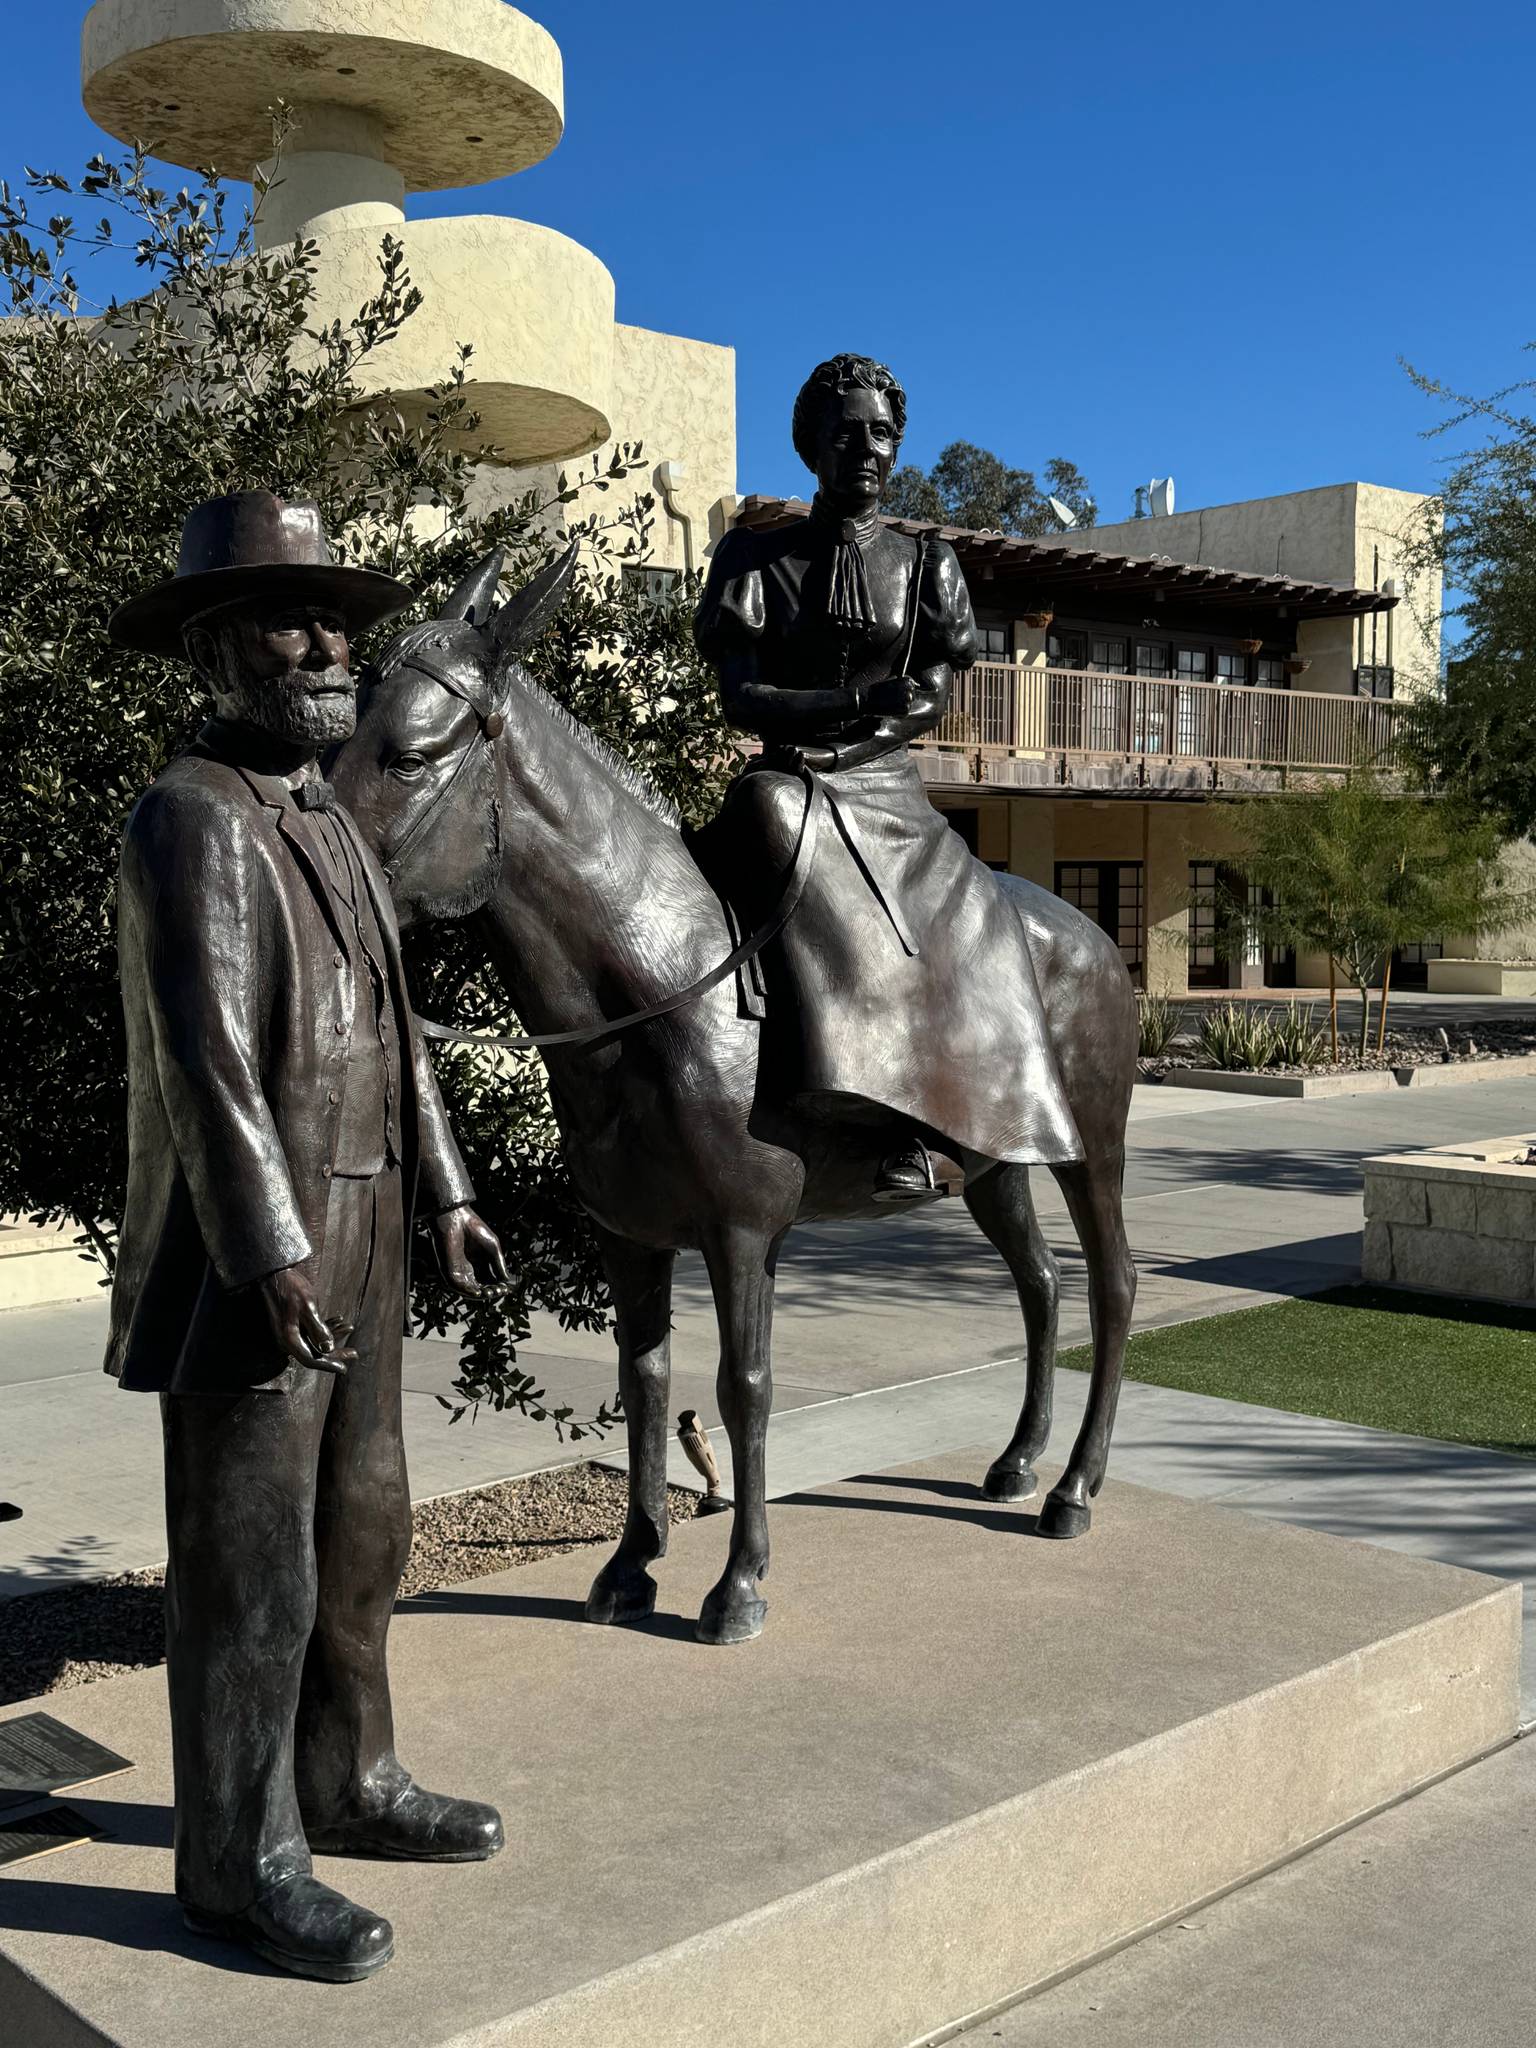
(1477, 739)
(969, 486)
(114, 422)
(1356, 869)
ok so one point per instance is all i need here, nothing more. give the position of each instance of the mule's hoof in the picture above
(1064, 1518)
(1007, 1482)
(614, 1601)
(735, 1622)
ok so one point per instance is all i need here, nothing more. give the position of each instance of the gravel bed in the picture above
(51, 1642)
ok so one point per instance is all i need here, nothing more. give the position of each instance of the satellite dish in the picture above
(1160, 493)
(1064, 513)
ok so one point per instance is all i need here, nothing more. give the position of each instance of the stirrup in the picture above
(907, 1176)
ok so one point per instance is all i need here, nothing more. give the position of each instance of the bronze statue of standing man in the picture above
(284, 1124)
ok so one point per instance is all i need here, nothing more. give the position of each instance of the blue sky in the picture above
(1193, 237)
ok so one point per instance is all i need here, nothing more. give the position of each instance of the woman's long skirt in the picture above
(902, 984)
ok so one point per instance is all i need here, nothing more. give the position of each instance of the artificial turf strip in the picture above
(1423, 1364)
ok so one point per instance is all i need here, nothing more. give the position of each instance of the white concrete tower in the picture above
(391, 96)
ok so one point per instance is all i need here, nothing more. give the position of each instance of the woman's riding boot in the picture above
(907, 1176)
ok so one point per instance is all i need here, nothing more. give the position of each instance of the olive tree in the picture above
(116, 419)
(1476, 739)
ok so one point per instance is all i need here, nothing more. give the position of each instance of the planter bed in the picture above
(1502, 1050)
(1299, 1086)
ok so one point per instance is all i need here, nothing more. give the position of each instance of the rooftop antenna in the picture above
(1063, 513)
(1160, 496)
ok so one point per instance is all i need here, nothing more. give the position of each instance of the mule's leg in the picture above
(1000, 1202)
(741, 1265)
(1093, 1192)
(641, 1283)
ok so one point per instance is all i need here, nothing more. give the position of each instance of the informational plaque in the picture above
(27, 1834)
(39, 1755)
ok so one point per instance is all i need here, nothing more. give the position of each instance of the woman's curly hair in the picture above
(829, 381)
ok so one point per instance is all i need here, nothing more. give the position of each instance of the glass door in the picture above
(1068, 721)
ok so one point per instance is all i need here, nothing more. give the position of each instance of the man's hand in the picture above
(298, 1329)
(469, 1251)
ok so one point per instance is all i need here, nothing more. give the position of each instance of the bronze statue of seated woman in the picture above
(902, 988)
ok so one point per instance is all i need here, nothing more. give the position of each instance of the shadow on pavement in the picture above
(1005, 1521)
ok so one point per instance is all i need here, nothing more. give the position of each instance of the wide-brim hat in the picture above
(254, 544)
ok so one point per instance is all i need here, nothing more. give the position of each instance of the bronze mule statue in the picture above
(485, 800)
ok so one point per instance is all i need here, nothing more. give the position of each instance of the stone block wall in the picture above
(1457, 1220)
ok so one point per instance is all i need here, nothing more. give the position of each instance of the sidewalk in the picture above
(1412, 1930)
(897, 1341)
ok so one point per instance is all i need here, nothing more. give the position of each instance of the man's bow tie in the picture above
(315, 796)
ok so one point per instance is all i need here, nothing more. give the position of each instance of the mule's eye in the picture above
(408, 767)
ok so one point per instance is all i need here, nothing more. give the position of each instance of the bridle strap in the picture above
(489, 728)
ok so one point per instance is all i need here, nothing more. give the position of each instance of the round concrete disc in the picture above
(456, 92)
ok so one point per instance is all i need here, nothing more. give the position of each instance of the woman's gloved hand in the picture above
(893, 696)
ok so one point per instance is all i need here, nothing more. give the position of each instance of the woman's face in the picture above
(857, 448)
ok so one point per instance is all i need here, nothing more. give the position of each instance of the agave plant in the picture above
(1237, 1036)
(1299, 1040)
(1159, 1021)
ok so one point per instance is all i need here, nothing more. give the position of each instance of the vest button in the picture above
(333, 1096)
(339, 959)
(325, 1173)
(338, 1027)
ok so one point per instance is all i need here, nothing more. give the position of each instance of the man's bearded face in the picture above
(288, 673)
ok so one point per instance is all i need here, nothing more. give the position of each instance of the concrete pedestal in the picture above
(960, 1761)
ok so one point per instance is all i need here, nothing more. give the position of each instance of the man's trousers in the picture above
(289, 1522)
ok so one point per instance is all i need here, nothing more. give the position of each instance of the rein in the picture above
(491, 727)
(753, 944)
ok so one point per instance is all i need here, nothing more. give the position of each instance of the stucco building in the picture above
(1133, 676)
(394, 97)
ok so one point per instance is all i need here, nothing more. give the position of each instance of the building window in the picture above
(966, 820)
(1269, 672)
(1108, 656)
(1111, 894)
(1193, 709)
(1410, 964)
(1151, 658)
(992, 643)
(651, 586)
(1206, 966)
(1232, 668)
(1372, 680)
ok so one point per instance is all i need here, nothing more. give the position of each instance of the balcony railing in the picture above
(1147, 722)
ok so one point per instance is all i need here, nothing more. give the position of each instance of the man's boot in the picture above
(409, 1825)
(306, 1928)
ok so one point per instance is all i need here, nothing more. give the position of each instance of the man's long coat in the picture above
(238, 999)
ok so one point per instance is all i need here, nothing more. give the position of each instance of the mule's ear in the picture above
(523, 618)
(477, 593)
